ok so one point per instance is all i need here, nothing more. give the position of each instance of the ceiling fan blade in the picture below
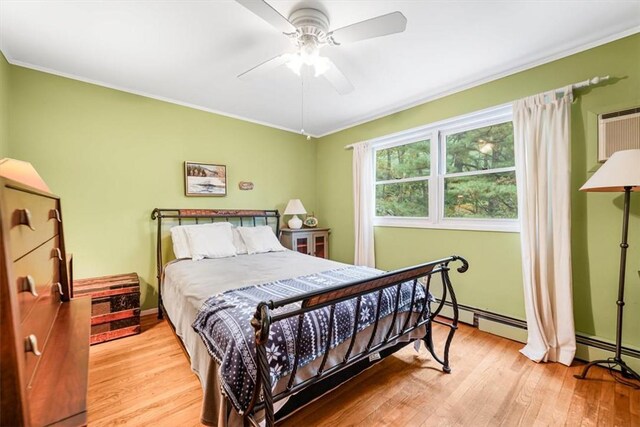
(383, 25)
(269, 14)
(264, 67)
(339, 81)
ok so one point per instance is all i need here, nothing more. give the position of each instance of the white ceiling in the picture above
(190, 52)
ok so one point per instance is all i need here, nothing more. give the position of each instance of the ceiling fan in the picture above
(308, 29)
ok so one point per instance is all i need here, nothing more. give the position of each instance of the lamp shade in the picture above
(22, 172)
(294, 207)
(621, 170)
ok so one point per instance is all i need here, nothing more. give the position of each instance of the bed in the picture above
(296, 325)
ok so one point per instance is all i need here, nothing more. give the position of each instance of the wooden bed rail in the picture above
(420, 275)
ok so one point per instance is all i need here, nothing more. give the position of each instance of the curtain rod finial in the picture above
(597, 79)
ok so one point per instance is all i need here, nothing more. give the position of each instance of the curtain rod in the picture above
(589, 82)
(579, 85)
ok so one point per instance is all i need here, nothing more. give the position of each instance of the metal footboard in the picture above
(419, 275)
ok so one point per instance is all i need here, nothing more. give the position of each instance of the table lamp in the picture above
(295, 208)
(22, 172)
(621, 173)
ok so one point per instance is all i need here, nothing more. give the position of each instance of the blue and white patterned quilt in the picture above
(223, 323)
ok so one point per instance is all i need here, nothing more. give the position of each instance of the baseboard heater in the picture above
(474, 316)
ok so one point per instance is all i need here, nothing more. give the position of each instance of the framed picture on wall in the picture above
(204, 179)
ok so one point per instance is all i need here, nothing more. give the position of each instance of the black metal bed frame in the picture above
(263, 398)
(205, 215)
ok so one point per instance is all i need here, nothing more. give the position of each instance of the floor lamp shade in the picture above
(295, 208)
(621, 173)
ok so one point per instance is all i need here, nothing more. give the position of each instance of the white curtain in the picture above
(363, 204)
(541, 127)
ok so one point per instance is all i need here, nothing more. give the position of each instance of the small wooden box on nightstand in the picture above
(115, 305)
(309, 241)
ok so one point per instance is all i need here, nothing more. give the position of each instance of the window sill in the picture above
(506, 226)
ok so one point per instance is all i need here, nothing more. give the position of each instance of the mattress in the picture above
(188, 284)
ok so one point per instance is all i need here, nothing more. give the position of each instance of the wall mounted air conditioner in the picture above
(618, 131)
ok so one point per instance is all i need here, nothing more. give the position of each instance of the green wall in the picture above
(4, 106)
(112, 157)
(494, 281)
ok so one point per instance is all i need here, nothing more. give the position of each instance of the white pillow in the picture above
(260, 239)
(241, 248)
(180, 240)
(210, 242)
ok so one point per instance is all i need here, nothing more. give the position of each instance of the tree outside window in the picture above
(469, 183)
(480, 179)
(402, 180)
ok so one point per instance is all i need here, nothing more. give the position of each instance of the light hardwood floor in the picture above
(146, 380)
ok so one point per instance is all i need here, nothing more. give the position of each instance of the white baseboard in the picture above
(486, 325)
(149, 312)
(507, 331)
(588, 348)
(589, 353)
(584, 351)
(464, 316)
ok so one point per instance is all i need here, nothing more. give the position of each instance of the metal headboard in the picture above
(241, 217)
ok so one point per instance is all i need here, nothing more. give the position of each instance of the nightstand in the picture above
(309, 241)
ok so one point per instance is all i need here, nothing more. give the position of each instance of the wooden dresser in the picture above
(44, 343)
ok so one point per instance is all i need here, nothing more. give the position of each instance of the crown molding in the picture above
(402, 106)
(30, 66)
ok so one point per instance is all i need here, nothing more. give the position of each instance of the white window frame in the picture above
(437, 133)
(405, 138)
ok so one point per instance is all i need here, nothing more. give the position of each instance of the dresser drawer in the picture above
(42, 268)
(39, 323)
(41, 214)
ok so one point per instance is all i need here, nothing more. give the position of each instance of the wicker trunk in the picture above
(115, 305)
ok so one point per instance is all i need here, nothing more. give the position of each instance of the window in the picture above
(454, 174)
(402, 180)
(480, 173)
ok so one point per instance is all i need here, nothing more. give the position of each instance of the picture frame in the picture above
(205, 179)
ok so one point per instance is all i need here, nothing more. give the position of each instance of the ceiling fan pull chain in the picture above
(302, 107)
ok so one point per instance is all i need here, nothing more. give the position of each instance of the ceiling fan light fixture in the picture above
(295, 61)
(309, 30)
(321, 65)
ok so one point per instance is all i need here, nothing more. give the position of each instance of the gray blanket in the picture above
(223, 323)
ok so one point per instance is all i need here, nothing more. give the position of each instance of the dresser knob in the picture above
(58, 253)
(25, 218)
(31, 345)
(29, 285)
(56, 215)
